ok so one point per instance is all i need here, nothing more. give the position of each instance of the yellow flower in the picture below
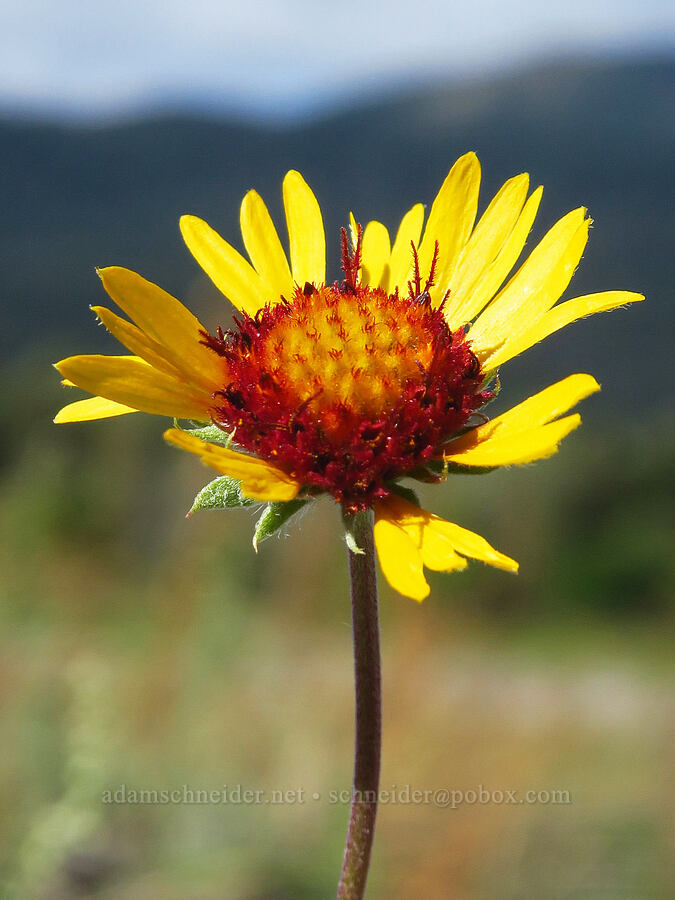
(346, 387)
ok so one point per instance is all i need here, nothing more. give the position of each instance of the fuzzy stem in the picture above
(367, 679)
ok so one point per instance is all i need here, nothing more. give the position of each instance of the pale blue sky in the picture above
(282, 58)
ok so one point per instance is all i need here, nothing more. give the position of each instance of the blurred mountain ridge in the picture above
(597, 135)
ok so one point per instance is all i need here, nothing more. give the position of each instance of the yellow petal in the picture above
(536, 285)
(465, 304)
(439, 533)
(409, 230)
(450, 221)
(353, 230)
(472, 545)
(510, 449)
(90, 409)
(167, 322)
(362, 274)
(439, 541)
(438, 552)
(132, 382)
(545, 405)
(488, 238)
(306, 236)
(522, 434)
(400, 560)
(135, 340)
(259, 479)
(264, 247)
(375, 253)
(558, 318)
(226, 268)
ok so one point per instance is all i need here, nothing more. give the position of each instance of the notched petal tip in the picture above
(108, 273)
(90, 409)
(470, 157)
(505, 563)
(190, 226)
(61, 365)
(193, 227)
(293, 175)
(188, 219)
(251, 196)
(591, 385)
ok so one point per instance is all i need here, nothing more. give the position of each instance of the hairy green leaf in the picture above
(273, 517)
(221, 493)
(209, 433)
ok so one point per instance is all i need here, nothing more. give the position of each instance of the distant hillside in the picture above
(602, 136)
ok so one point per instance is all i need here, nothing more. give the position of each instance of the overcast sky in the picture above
(290, 56)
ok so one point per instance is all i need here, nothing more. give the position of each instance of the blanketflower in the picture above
(345, 388)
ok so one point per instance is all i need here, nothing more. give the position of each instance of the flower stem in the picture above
(368, 689)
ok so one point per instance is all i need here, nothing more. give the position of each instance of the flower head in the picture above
(345, 388)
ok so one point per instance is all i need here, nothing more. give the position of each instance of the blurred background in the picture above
(143, 652)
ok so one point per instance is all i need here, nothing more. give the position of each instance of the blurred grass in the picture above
(141, 649)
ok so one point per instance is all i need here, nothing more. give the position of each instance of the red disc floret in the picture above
(346, 387)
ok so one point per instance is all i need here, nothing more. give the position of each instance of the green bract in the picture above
(273, 517)
(221, 493)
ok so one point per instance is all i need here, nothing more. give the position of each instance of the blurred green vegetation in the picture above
(146, 650)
